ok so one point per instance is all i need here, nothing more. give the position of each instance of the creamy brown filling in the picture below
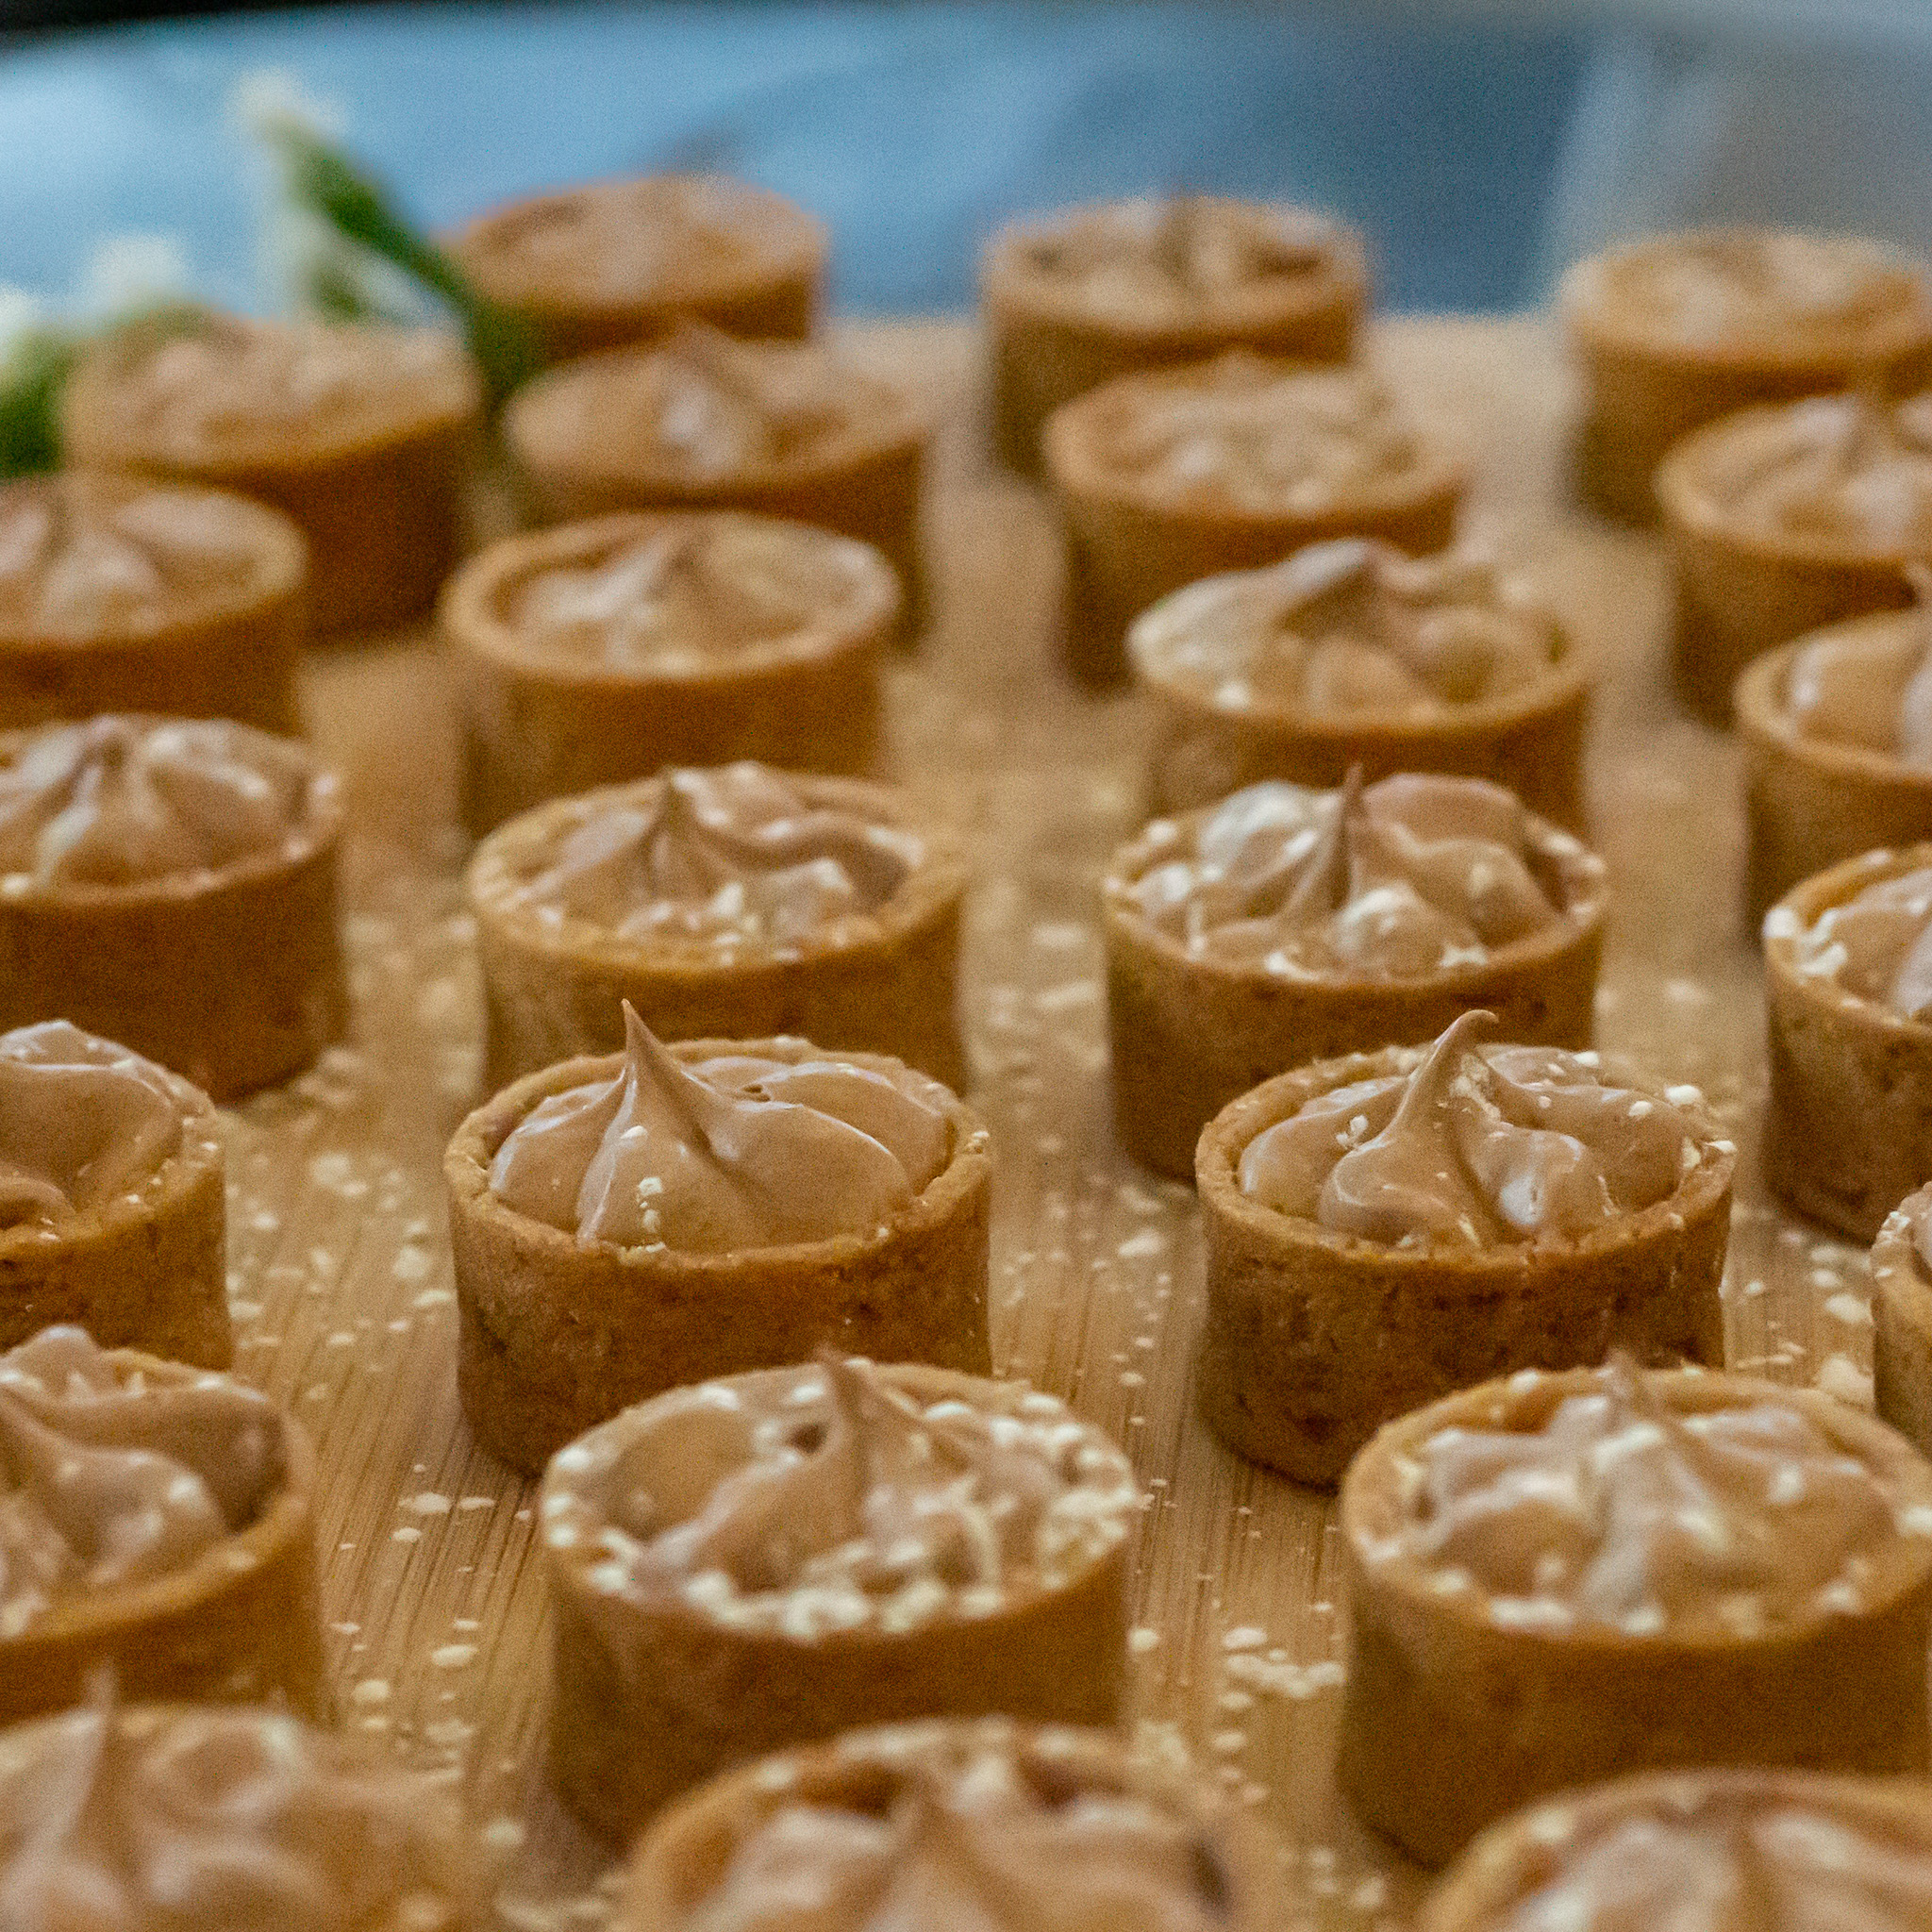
(1622, 1511)
(734, 855)
(724, 1154)
(1876, 946)
(1735, 1862)
(191, 1818)
(1477, 1147)
(1351, 629)
(81, 554)
(109, 1478)
(1414, 876)
(124, 801)
(827, 1498)
(974, 1839)
(1869, 686)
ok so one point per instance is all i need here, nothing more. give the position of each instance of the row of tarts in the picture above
(1759, 1577)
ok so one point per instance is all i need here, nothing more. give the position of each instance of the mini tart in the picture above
(1191, 1033)
(615, 263)
(658, 1685)
(240, 1623)
(232, 978)
(120, 596)
(1248, 490)
(1812, 802)
(1455, 1715)
(1315, 1337)
(546, 715)
(880, 982)
(1902, 1322)
(833, 446)
(1076, 298)
(1215, 734)
(359, 435)
(1743, 586)
(1848, 1119)
(1651, 376)
(679, 1867)
(1666, 1847)
(557, 1334)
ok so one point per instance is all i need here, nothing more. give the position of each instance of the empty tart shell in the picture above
(650, 1698)
(1452, 1718)
(556, 1334)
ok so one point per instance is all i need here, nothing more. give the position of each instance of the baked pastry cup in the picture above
(1383, 1228)
(733, 902)
(608, 650)
(823, 1547)
(971, 1819)
(1676, 330)
(701, 421)
(1287, 925)
(161, 1519)
(1785, 519)
(1554, 1579)
(1349, 653)
(359, 434)
(1836, 761)
(114, 1206)
(562, 1324)
(1075, 298)
(1848, 1119)
(1780, 1847)
(181, 1814)
(610, 263)
(1901, 1318)
(171, 884)
(1169, 475)
(121, 596)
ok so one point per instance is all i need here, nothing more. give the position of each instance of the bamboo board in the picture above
(339, 1274)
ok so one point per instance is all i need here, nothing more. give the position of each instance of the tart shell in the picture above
(647, 1701)
(1451, 1720)
(1902, 1325)
(1314, 1339)
(555, 1336)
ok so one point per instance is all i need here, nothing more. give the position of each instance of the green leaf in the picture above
(30, 388)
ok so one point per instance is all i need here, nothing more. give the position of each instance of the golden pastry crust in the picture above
(1902, 1323)
(882, 983)
(1315, 1337)
(610, 263)
(653, 1695)
(240, 1623)
(1648, 383)
(1302, 292)
(556, 1334)
(1133, 537)
(371, 475)
(1454, 1716)
(126, 596)
(544, 720)
(1848, 1119)
(678, 1864)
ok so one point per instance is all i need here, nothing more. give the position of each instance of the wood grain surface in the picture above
(339, 1258)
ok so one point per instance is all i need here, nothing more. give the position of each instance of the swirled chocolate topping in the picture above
(81, 1122)
(1415, 875)
(1725, 1854)
(1877, 945)
(1870, 684)
(968, 1828)
(734, 855)
(83, 555)
(828, 1498)
(1624, 1511)
(1351, 628)
(1477, 1146)
(695, 590)
(1246, 432)
(124, 801)
(112, 1476)
(724, 1154)
(165, 1819)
